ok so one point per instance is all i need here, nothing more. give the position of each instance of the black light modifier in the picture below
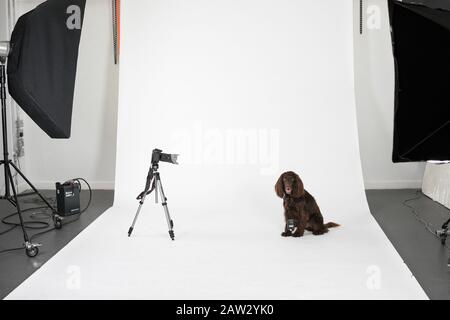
(421, 47)
(42, 63)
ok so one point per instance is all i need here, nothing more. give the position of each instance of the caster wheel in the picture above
(32, 252)
(58, 223)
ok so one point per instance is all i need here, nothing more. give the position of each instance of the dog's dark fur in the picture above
(300, 206)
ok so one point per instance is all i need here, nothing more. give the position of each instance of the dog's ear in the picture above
(279, 188)
(298, 189)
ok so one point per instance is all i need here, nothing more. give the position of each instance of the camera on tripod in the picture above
(153, 183)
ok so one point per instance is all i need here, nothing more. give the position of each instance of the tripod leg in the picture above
(141, 202)
(166, 209)
(155, 183)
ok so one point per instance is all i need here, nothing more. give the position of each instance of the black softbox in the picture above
(421, 46)
(42, 63)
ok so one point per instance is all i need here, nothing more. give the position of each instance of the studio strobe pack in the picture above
(68, 198)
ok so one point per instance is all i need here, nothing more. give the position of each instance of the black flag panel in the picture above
(43, 61)
(421, 46)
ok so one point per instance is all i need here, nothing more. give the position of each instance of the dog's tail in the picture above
(332, 225)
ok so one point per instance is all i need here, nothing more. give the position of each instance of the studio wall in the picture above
(90, 152)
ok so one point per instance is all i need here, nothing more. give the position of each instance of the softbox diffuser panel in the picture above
(43, 62)
(421, 45)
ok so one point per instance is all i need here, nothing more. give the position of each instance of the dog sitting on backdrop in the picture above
(300, 206)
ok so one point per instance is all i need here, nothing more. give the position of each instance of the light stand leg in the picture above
(31, 249)
(164, 204)
(57, 219)
(32, 186)
(19, 212)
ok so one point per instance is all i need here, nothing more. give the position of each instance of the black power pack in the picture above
(68, 198)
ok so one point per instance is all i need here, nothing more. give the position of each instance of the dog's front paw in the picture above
(297, 235)
(285, 234)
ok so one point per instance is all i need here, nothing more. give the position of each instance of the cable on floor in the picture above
(41, 215)
(428, 226)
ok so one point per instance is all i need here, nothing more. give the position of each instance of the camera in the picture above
(158, 155)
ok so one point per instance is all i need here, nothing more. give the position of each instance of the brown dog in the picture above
(300, 206)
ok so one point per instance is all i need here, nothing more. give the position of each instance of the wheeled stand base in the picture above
(31, 249)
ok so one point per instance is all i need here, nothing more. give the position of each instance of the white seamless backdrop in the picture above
(243, 90)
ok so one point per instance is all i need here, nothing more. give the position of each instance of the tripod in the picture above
(31, 249)
(153, 183)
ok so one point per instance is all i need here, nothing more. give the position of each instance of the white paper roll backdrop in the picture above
(436, 183)
(243, 90)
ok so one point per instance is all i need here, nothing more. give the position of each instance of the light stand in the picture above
(31, 249)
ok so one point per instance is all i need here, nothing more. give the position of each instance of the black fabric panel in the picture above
(435, 4)
(42, 65)
(421, 45)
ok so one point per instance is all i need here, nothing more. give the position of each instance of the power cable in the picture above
(40, 225)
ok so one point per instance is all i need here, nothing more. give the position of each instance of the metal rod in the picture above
(361, 18)
(156, 186)
(115, 34)
(141, 203)
(166, 209)
(32, 186)
(19, 212)
(4, 127)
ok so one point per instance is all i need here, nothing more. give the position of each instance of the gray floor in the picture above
(420, 250)
(15, 266)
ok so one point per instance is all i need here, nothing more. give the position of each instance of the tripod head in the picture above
(157, 156)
